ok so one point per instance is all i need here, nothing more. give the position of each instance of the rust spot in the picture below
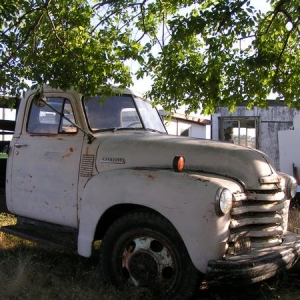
(87, 151)
(67, 155)
(203, 179)
(71, 149)
(150, 176)
(205, 218)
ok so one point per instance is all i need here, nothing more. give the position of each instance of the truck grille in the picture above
(261, 215)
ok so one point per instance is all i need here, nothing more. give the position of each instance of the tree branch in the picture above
(280, 55)
(111, 2)
(277, 9)
(31, 28)
(20, 19)
(228, 15)
(290, 19)
(63, 43)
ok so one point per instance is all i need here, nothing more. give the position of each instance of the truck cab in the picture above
(168, 210)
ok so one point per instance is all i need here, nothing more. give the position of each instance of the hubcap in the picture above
(146, 261)
(143, 267)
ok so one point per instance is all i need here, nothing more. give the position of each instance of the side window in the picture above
(240, 131)
(52, 118)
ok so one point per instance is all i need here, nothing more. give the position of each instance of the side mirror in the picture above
(39, 100)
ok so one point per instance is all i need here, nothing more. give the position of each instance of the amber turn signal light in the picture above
(178, 163)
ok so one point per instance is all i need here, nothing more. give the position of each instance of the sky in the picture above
(261, 4)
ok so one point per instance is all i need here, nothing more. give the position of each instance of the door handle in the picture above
(19, 145)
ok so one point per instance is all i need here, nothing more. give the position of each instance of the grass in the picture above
(294, 215)
(30, 272)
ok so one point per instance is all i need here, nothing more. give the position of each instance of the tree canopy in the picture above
(203, 53)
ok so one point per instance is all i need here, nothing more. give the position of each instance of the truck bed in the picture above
(2, 164)
(2, 176)
(3, 207)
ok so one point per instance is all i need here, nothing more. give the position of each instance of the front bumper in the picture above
(255, 265)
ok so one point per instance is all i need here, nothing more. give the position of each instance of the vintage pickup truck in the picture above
(168, 210)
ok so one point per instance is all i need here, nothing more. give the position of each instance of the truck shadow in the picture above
(283, 286)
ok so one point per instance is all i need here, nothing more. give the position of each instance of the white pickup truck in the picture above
(169, 210)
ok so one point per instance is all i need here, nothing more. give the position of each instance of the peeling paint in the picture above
(66, 155)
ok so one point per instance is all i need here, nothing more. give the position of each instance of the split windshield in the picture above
(122, 112)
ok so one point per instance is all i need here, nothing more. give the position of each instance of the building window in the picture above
(240, 131)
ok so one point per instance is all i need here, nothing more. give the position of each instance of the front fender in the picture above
(186, 200)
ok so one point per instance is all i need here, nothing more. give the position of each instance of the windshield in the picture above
(121, 112)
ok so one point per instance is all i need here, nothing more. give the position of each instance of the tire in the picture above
(143, 249)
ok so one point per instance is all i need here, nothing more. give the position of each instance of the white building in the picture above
(197, 126)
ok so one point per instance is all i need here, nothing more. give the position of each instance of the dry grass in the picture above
(30, 272)
(294, 216)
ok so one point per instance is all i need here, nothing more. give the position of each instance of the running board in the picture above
(46, 234)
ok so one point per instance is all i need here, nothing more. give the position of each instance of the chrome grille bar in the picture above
(259, 215)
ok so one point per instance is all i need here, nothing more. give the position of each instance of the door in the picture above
(45, 164)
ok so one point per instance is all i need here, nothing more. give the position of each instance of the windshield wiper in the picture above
(116, 129)
(128, 128)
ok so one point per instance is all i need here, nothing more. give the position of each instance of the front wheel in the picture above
(143, 249)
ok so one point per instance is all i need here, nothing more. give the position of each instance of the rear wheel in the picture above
(143, 249)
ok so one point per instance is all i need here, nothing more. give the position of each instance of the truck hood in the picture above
(151, 150)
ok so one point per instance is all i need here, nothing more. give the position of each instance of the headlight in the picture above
(291, 187)
(223, 202)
